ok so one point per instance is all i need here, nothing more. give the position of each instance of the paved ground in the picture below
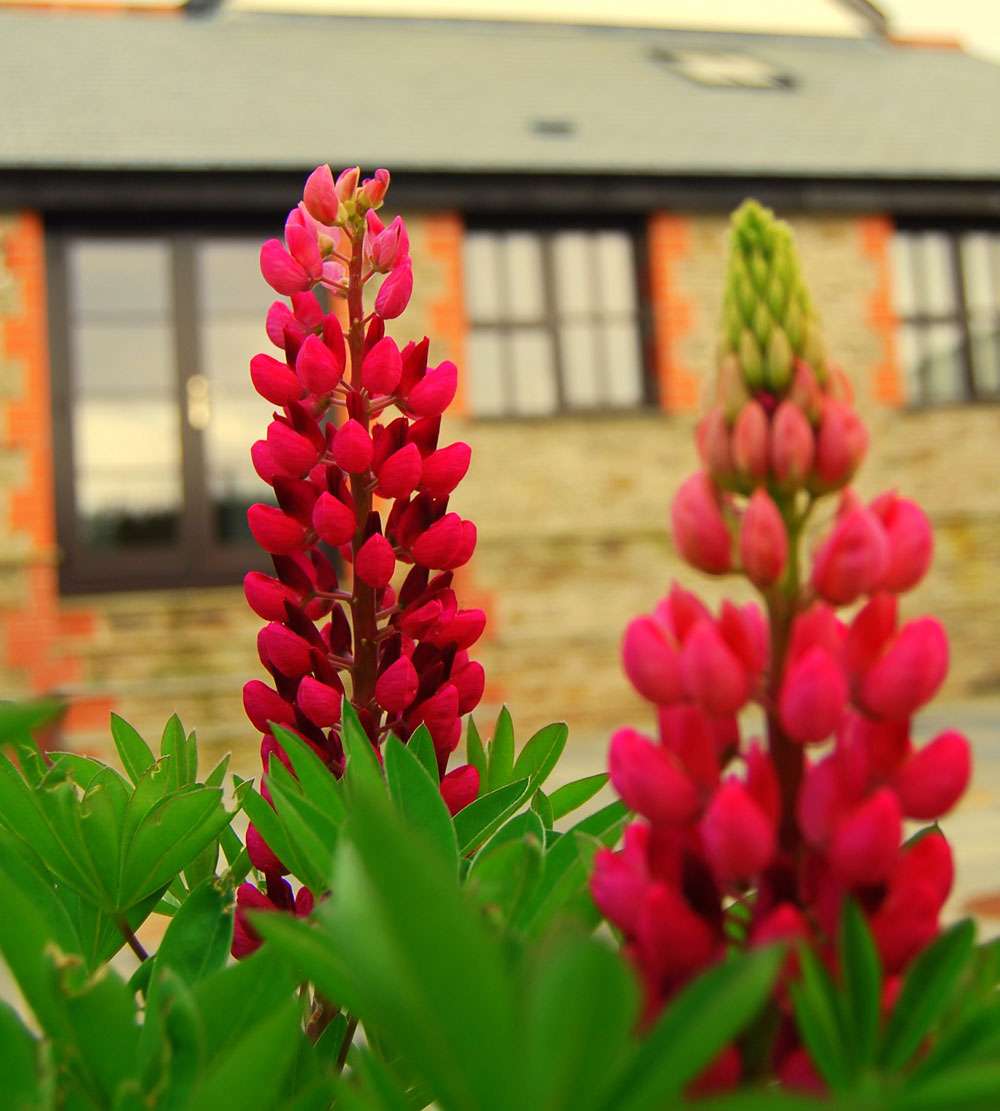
(973, 829)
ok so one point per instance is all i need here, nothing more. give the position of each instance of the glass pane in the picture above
(481, 260)
(524, 285)
(942, 363)
(233, 301)
(485, 370)
(581, 354)
(125, 431)
(118, 276)
(936, 281)
(127, 470)
(901, 261)
(534, 372)
(616, 269)
(229, 278)
(624, 372)
(985, 340)
(976, 273)
(573, 277)
(908, 352)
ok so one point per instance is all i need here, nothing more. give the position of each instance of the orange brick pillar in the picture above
(876, 236)
(673, 312)
(33, 659)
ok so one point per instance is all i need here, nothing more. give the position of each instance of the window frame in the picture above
(961, 317)
(196, 557)
(550, 318)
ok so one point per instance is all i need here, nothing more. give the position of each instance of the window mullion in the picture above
(550, 318)
(962, 307)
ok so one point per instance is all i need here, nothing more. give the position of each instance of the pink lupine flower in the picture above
(865, 843)
(673, 940)
(334, 522)
(352, 448)
(750, 441)
(320, 196)
(791, 445)
(738, 837)
(273, 531)
(841, 443)
(649, 779)
(319, 368)
(283, 273)
(444, 469)
(395, 293)
(434, 392)
(397, 686)
(275, 381)
(853, 559)
(910, 541)
(460, 787)
(382, 367)
(763, 540)
(813, 697)
(700, 531)
(935, 777)
(652, 661)
(713, 444)
(908, 673)
(713, 675)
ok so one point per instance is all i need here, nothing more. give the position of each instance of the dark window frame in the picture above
(962, 316)
(550, 317)
(196, 558)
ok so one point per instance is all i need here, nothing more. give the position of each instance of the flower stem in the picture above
(133, 942)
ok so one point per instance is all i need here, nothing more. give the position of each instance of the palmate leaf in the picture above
(541, 754)
(475, 753)
(478, 821)
(564, 800)
(136, 756)
(500, 753)
(418, 798)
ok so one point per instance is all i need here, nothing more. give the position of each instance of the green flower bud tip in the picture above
(778, 369)
(762, 324)
(751, 362)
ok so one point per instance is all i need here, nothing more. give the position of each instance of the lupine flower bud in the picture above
(275, 381)
(440, 714)
(649, 779)
(738, 838)
(320, 196)
(932, 780)
(399, 474)
(910, 541)
(273, 531)
(382, 368)
(713, 675)
(805, 393)
(870, 630)
(374, 188)
(395, 293)
(347, 183)
(397, 686)
(812, 698)
(460, 787)
(470, 682)
(282, 272)
(352, 447)
(437, 546)
(750, 441)
(375, 561)
(713, 444)
(286, 650)
(619, 879)
(333, 521)
(319, 702)
(841, 443)
(928, 859)
(652, 662)
(672, 940)
(292, 452)
(700, 532)
(434, 392)
(319, 369)
(763, 540)
(905, 922)
(264, 705)
(266, 596)
(791, 445)
(853, 559)
(865, 844)
(444, 469)
(261, 856)
(909, 672)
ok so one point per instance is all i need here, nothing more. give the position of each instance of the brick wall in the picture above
(572, 512)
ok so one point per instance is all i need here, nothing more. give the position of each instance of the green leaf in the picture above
(19, 719)
(927, 988)
(976, 1034)
(136, 756)
(477, 821)
(311, 837)
(217, 776)
(170, 835)
(19, 1064)
(418, 798)
(541, 805)
(475, 754)
(102, 811)
(560, 886)
(819, 1021)
(578, 1021)
(318, 783)
(362, 766)
(694, 1029)
(421, 744)
(500, 753)
(198, 939)
(505, 875)
(271, 827)
(861, 972)
(973, 1087)
(174, 744)
(567, 798)
(541, 754)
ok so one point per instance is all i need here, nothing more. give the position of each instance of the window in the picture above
(724, 69)
(554, 322)
(946, 299)
(154, 412)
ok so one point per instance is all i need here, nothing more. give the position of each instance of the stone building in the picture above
(567, 192)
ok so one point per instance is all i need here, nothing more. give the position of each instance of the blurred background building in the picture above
(566, 189)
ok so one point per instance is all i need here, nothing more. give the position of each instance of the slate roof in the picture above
(240, 90)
